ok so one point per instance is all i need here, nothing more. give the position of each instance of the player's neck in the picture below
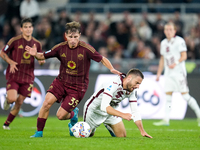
(28, 38)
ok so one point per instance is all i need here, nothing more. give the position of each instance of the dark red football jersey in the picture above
(75, 63)
(15, 49)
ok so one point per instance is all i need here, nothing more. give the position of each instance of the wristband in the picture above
(177, 62)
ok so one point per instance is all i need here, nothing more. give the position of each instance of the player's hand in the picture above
(144, 134)
(172, 66)
(127, 116)
(157, 78)
(115, 71)
(30, 50)
(13, 67)
(41, 62)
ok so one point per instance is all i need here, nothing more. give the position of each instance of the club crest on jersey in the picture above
(80, 56)
(109, 88)
(26, 55)
(167, 49)
(71, 64)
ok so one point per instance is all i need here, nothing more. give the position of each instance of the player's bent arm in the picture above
(5, 57)
(108, 64)
(105, 107)
(183, 56)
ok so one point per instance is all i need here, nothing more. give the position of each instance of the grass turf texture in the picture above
(180, 135)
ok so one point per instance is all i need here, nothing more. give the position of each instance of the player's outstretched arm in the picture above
(142, 131)
(33, 52)
(108, 64)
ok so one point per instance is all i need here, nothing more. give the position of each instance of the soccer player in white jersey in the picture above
(173, 56)
(101, 106)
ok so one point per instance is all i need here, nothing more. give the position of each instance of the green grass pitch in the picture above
(180, 135)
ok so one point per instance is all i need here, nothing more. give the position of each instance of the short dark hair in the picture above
(135, 72)
(25, 20)
(73, 27)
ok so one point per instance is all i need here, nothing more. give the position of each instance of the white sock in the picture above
(193, 104)
(168, 107)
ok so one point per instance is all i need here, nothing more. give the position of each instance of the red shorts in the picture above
(24, 89)
(69, 98)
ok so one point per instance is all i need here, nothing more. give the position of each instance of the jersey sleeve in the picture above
(109, 90)
(52, 53)
(133, 105)
(182, 46)
(9, 46)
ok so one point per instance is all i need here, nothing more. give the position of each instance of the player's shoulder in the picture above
(164, 41)
(179, 38)
(87, 46)
(118, 80)
(65, 43)
(13, 39)
(37, 41)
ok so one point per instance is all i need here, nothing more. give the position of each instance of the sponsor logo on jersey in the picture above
(6, 48)
(71, 64)
(80, 56)
(47, 51)
(21, 46)
(63, 55)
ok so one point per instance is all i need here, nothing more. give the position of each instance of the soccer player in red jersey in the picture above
(19, 73)
(69, 87)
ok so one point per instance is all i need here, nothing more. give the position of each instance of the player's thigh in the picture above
(12, 90)
(93, 118)
(50, 99)
(12, 95)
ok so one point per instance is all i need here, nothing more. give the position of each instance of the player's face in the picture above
(169, 31)
(134, 83)
(27, 29)
(73, 38)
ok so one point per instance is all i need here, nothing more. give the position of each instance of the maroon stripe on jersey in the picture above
(130, 101)
(107, 94)
(101, 91)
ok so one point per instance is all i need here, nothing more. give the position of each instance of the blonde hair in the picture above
(170, 24)
(73, 27)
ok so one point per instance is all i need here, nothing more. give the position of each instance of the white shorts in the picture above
(176, 84)
(95, 118)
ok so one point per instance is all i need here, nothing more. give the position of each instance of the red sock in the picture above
(9, 119)
(72, 115)
(40, 124)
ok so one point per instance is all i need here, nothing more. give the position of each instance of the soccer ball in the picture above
(81, 130)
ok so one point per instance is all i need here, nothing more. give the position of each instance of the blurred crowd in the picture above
(113, 39)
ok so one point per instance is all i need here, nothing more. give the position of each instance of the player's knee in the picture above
(11, 99)
(60, 116)
(46, 106)
(121, 135)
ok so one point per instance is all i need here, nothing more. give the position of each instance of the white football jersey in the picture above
(113, 89)
(171, 51)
